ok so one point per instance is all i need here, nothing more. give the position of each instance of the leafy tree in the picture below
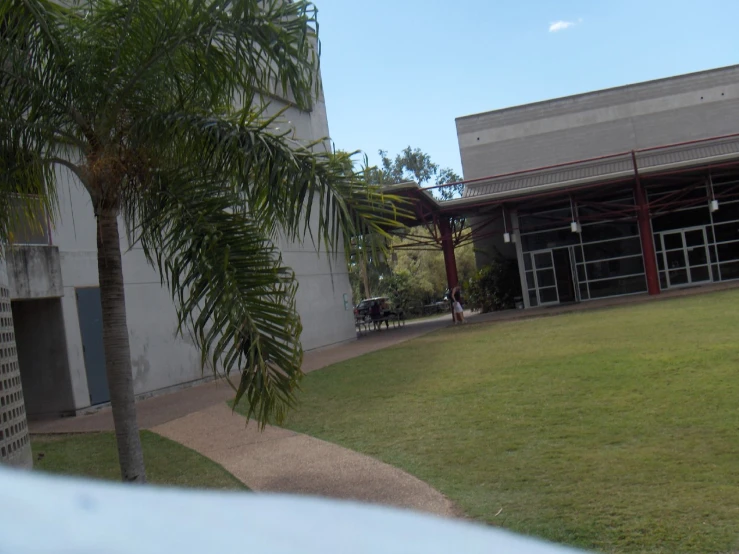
(154, 106)
(414, 165)
(368, 265)
(425, 267)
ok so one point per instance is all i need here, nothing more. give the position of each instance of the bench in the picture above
(363, 324)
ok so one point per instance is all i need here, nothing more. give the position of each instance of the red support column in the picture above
(450, 262)
(645, 233)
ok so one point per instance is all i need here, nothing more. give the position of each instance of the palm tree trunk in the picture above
(117, 348)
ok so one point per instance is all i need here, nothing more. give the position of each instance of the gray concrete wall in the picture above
(160, 358)
(34, 272)
(677, 109)
(42, 357)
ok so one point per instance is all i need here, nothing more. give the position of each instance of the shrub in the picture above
(495, 286)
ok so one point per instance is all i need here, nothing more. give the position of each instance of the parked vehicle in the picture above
(362, 310)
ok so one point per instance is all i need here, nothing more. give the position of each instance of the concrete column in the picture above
(15, 445)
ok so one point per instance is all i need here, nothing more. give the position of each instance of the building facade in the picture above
(53, 287)
(622, 191)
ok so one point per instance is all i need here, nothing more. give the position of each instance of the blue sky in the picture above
(398, 72)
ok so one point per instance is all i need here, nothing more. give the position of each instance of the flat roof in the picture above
(617, 89)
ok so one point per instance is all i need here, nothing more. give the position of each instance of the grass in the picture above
(94, 455)
(614, 430)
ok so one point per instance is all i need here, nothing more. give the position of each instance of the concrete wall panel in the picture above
(643, 115)
(34, 272)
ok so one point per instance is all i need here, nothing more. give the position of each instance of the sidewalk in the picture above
(278, 460)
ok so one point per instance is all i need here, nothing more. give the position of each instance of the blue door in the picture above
(90, 313)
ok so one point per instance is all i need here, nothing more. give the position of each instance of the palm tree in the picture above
(154, 106)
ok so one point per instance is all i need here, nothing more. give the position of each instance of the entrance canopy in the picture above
(659, 180)
(675, 161)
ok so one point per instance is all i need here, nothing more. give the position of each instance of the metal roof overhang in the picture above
(486, 192)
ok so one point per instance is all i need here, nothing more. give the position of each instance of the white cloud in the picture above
(561, 25)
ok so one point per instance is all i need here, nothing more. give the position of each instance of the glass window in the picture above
(609, 230)
(728, 251)
(727, 231)
(730, 271)
(549, 239)
(727, 211)
(584, 292)
(693, 217)
(615, 202)
(662, 280)
(542, 260)
(678, 277)
(697, 255)
(720, 183)
(527, 261)
(548, 295)
(672, 241)
(578, 254)
(545, 278)
(530, 280)
(697, 193)
(581, 273)
(675, 259)
(712, 252)
(657, 242)
(716, 272)
(533, 302)
(544, 219)
(661, 262)
(695, 237)
(614, 287)
(612, 249)
(613, 268)
(700, 274)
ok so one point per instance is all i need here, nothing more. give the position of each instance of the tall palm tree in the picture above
(153, 105)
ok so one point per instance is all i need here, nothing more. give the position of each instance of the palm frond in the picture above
(284, 181)
(228, 283)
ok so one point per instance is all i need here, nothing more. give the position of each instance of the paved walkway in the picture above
(278, 460)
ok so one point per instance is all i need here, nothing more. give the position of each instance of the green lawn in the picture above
(94, 455)
(614, 430)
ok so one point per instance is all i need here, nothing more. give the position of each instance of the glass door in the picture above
(696, 250)
(686, 256)
(545, 279)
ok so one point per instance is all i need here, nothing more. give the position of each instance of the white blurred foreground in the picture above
(43, 514)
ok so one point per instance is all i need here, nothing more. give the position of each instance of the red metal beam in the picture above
(447, 246)
(645, 233)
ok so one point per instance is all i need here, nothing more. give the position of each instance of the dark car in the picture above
(362, 310)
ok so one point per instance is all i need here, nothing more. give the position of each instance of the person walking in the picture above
(457, 305)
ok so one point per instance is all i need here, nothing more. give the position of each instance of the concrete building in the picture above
(53, 284)
(622, 191)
